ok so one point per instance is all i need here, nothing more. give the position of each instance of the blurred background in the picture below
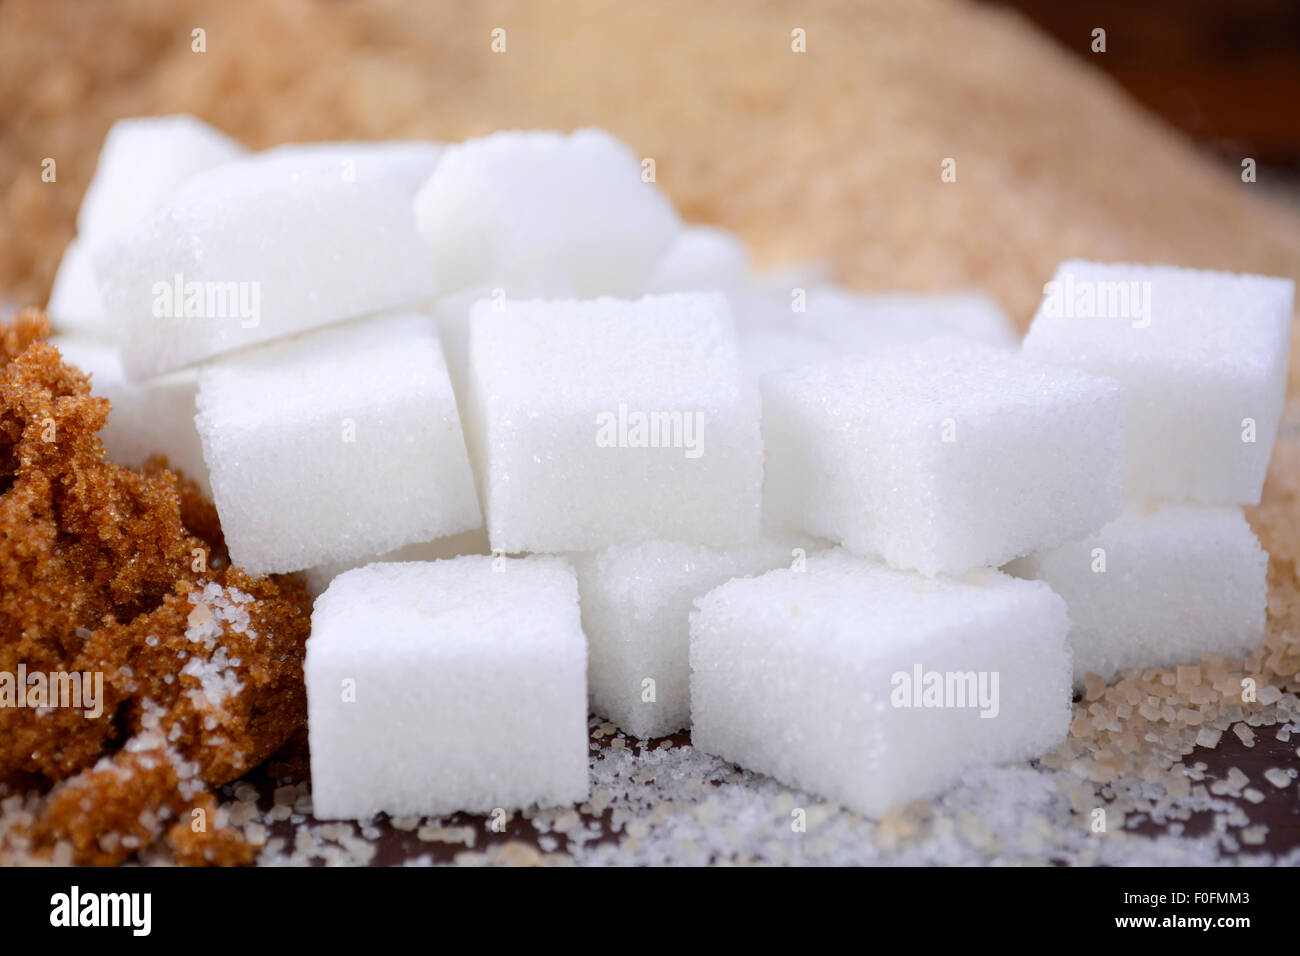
(1225, 73)
(829, 153)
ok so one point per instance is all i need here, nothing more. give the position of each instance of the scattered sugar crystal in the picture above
(544, 213)
(147, 418)
(336, 445)
(942, 456)
(1277, 777)
(1156, 589)
(1202, 357)
(598, 422)
(335, 239)
(449, 685)
(701, 259)
(636, 602)
(872, 686)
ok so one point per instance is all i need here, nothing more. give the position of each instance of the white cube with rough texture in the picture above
(602, 421)
(875, 687)
(318, 578)
(764, 352)
(1158, 589)
(942, 456)
(702, 259)
(148, 418)
(447, 685)
(335, 445)
(541, 213)
(142, 162)
(264, 247)
(858, 322)
(1203, 360)
(636, 601)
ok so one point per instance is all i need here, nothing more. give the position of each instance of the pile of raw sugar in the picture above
(121, 576)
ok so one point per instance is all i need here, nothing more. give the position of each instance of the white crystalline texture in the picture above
(142, 162)
(143, 159)
(1159, 589)
(147, 418)
(470, 691)
(604, 421)
(942, 456)
(863, 323)
(271, 245)
(763, 352)
(318, 578)
(802, 675)
(703, 259)
(335, 445)
(74, 304)
(544, 214)
(636, 600)
(1198, 353)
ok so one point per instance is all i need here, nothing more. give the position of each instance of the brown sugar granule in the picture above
(121, 576)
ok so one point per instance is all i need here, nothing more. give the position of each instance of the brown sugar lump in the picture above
(121, 577)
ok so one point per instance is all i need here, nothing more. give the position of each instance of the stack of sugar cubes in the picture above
(542, 450)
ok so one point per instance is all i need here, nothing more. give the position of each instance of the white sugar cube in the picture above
(1159, 589)
(942, 456)
(74, 304)
(863, 323)
(763, 352)
(702, 259)
(1202, 357)
(448, 685)
(268, 246)
(335, 445)
(147, 418)
(603, 421)
(636, 599)
(142, 162)
(143, 159)
(318, 578)
(544, 214)
(875, 687)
